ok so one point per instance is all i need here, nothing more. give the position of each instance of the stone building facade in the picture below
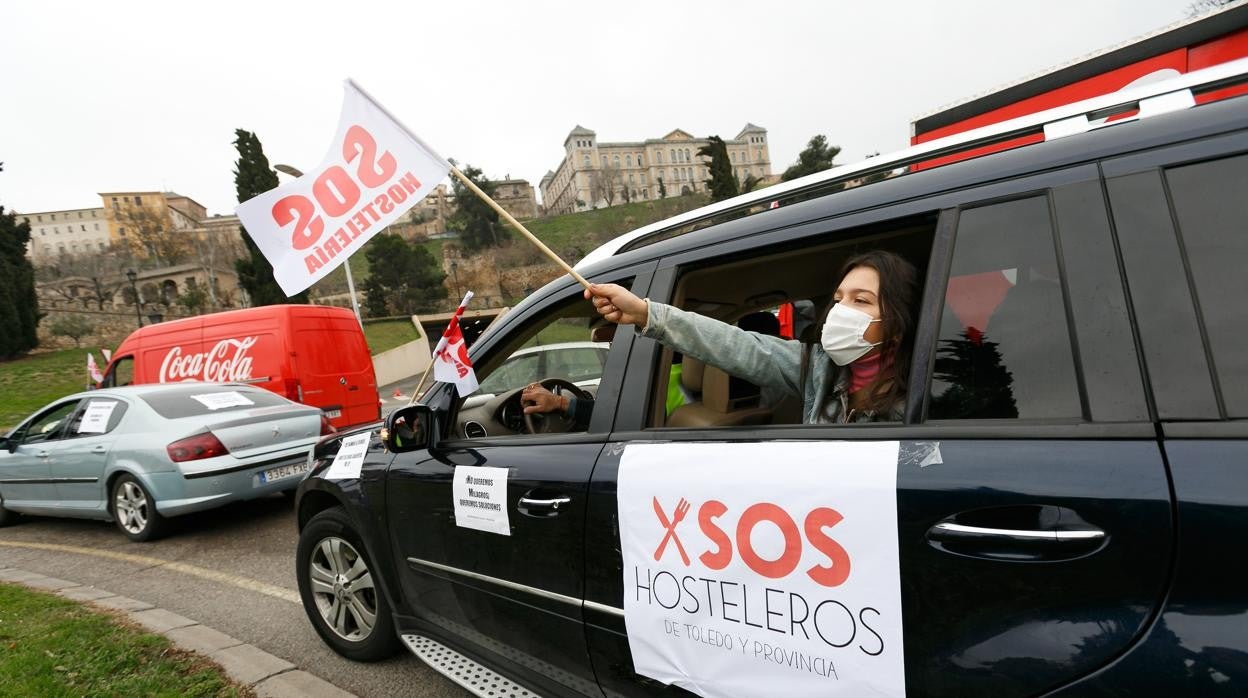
(75, 231)
(178, 212)
(594, 174)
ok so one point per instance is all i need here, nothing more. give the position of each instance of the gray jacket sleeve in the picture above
(758, 358)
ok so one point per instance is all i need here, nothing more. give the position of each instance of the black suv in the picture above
(1065, 500)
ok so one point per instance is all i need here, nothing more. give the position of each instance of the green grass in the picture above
(388, 334)
(576, 234)
(53, 647)
(29, 383)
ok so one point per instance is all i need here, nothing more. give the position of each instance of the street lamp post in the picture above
(138, 309)
(346, 265)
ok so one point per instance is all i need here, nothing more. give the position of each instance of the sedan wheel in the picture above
(134, 510)
(339, 590)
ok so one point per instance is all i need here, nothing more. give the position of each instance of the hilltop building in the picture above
(594, 174)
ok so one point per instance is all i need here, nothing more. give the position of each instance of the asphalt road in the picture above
(233, 570)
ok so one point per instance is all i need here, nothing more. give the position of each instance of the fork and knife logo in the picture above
(682, 508)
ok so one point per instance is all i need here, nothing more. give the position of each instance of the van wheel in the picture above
(7, 518)
(339, 589)
(134, 510)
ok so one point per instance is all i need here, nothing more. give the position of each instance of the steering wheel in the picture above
(549, 419)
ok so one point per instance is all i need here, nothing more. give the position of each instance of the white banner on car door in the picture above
(755, 569)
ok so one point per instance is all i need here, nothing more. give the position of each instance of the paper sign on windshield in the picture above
(346, 464)
(95, 417)
(480, 496)
(217, 401)
(763, 569)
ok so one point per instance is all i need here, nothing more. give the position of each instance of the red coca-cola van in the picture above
(312, 354)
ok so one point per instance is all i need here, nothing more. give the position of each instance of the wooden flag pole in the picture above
(416, 391)
(516, 224)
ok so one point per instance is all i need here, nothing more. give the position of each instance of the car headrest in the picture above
(692, 374)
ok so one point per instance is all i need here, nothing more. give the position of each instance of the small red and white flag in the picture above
(450, 357)
(92, 369)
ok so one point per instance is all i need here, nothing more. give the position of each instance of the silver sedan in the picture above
(140, 454)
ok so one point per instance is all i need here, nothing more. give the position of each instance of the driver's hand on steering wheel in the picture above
(539, 400)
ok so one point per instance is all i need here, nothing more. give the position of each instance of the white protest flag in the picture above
(450, 358)
(374, 172)
(92, 369)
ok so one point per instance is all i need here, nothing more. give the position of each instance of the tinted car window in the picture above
(576, 364)
(1211, 210)
(48, 426)
(516, 373)
(106, 415)
(195, 400)
(1004, 348)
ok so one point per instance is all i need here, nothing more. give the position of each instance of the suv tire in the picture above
(340, 590)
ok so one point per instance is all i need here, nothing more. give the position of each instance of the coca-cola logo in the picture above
(226, 362)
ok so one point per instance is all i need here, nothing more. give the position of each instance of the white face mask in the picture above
(843, 332)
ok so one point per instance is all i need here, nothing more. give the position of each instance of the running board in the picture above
(477, 679)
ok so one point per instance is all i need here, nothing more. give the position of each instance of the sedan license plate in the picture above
(283, 471)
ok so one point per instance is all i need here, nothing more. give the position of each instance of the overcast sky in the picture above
(116, 96)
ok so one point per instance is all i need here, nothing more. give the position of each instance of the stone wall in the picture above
(111, 326)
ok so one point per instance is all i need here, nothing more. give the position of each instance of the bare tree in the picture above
(102, 274)
(151, 233)
(213, 247)
(603, 182)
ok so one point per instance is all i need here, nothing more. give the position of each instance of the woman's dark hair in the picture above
(899, 283)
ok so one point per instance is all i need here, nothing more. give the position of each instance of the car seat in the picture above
(726, 401)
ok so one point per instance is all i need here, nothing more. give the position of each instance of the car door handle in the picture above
(953, 531)
(542, 506)
(42, 454)
(1022, 533)
(99, 449)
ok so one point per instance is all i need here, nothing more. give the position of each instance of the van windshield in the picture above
(200, 399)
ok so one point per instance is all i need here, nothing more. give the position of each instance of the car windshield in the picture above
(199, 399)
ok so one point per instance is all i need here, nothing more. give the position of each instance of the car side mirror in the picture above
(8, 444)
(410, 428)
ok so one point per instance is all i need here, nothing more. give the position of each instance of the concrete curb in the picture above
(267, 674)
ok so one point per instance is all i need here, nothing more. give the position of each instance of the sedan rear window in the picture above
(199, 399)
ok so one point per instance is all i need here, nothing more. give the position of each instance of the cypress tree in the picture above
(19, 307)
(253, 176)
(723, 183)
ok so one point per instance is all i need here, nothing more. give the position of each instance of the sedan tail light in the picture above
(196, 447)
(327, 428)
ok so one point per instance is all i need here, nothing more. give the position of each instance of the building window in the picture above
(84, 228)
(604, 160)
(616, 161)
(121, 232)
(628, 160)
(687, 157)
(631, 179)
(115, 204)
(658, 157)
(101, 246)
(672, 152)
(586, 161)
(640, 162)
(97, 226)
(760, 156)
(645, 193)
(40, 218)
(138, 201)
